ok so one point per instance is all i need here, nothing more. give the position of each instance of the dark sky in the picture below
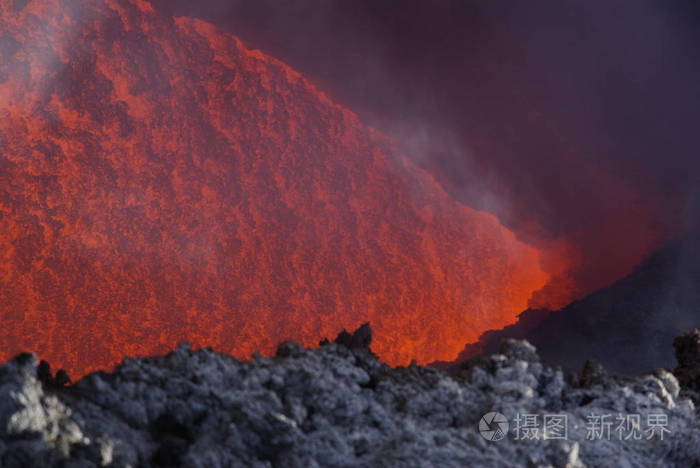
(565, 118)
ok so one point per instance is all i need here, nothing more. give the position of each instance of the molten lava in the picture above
(159, 183)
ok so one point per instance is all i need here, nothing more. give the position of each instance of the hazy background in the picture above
(576, 122)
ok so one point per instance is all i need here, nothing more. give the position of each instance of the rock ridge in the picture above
(337, 405)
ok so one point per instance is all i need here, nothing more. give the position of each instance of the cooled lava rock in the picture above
(335, 406)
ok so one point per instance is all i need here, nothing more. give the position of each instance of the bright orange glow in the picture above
(161, 183)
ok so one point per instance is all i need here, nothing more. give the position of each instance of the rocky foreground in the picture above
(338, 406)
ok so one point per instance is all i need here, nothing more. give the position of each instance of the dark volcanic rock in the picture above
(44, 375)
(687, 372)
(594, 373)
(361, 339)
(628, 327)
(331, 406)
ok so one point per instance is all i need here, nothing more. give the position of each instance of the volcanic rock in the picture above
(360, 339)
(628, 327)
(331, 406)
(687, 347)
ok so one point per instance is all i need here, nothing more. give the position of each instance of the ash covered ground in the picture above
(337, 405)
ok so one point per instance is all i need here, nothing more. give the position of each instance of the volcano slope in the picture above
(628, 327)
(338, 406)
(160, 182)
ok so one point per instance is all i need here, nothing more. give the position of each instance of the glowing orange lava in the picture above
(159, 183)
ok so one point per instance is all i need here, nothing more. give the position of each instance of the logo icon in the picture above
(493, 426)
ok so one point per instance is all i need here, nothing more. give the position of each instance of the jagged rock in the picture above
(44, 375)
(332, 406)
(687, 349)
(37, 428)
(593, 373)
(360, 339)
(519, 350)
(288, 348)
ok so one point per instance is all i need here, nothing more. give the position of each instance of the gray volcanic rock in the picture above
(331, 406)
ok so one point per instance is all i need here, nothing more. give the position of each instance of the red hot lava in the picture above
(162, 183)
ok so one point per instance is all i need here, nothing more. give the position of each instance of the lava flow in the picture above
(162, 183)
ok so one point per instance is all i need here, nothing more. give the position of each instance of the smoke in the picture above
(40, 58)
(572, 121)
